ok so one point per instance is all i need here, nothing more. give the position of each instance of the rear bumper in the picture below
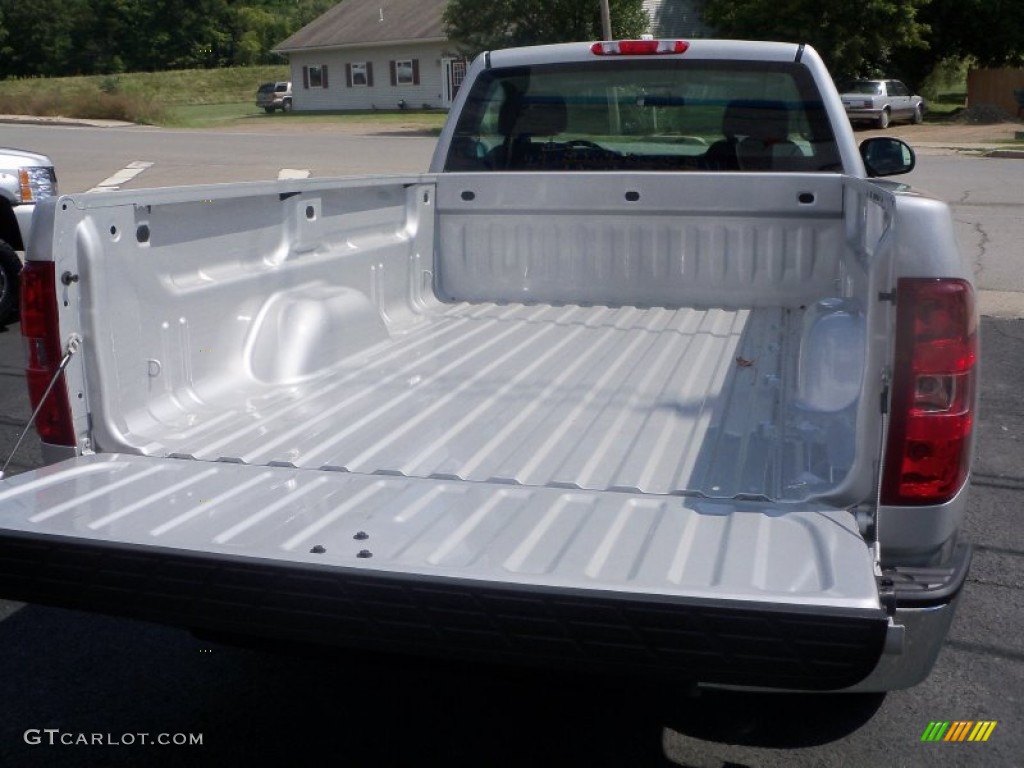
(605, 581)
(864, 114)
(923, 602)
(915, 640)
(729, 643)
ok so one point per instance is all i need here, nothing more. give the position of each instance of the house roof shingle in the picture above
(370, 22)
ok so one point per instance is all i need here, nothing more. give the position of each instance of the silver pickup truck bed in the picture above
(317, 425)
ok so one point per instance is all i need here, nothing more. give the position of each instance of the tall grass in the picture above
(86, 103)
(142, 97)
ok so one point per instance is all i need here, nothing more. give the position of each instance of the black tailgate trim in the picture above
(723, 642)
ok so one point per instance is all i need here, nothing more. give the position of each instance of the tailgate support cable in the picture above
(74, 342)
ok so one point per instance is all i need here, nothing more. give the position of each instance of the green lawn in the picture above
(209, 115)
(944, 106)
(186, 86)
(247, 113)
(197, 98)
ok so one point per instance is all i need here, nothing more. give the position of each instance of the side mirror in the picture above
(885, 156)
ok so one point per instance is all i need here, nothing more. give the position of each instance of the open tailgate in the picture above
(725, 592)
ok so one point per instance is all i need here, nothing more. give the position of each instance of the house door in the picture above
(454, 74)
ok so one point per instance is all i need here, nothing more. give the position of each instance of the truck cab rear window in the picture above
(645, 115)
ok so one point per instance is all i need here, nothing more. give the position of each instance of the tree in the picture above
(476, 26)
(43, 37)
(114, 38)
(989, 33)
(852, 37)
(51, 38)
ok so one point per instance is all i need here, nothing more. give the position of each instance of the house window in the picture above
(405, 72)
(359, 74)
(315, 76)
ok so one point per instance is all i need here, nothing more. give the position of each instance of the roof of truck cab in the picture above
(733, 50)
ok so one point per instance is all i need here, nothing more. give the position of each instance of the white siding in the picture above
(677, 18)
(381, 95)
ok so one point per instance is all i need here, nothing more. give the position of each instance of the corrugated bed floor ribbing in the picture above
(652, 400)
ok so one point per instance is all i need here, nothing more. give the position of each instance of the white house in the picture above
(374, 54)
(677, 18)
(391, 54)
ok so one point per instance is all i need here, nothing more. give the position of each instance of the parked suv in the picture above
(25, 179)
(273, 96)
(880, 102)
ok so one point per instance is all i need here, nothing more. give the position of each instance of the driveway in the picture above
(950, 135)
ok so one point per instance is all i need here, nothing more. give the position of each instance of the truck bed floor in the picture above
(650, 400)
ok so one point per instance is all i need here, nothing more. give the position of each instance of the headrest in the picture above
(765, 120)
(533, 115)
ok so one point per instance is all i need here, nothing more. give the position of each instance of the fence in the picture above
(995, 86)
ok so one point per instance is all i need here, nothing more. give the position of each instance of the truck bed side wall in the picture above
(248, 288)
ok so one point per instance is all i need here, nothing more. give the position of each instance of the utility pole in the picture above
(606, 20)
(613, 95)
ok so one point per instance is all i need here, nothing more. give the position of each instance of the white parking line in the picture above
(292, 173)
(123, 176)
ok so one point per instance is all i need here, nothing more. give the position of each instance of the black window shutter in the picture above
(323, 76)
(394, 74)
(415, 71)
(348, 75)
(369, 73)
(305, 78)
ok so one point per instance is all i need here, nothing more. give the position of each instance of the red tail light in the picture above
(932, 417)
(42, 342)
(638, 47)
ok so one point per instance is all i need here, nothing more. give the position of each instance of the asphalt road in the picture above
(87, 674)
(987, 195)
(987, 199)
(85, 156)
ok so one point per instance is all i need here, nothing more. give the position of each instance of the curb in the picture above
(963, 146)
(71, 122)
(1006, 154)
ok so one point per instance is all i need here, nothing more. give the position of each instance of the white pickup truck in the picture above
(647, 373)
(26, 178)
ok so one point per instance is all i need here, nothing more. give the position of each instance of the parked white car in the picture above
(881, 102)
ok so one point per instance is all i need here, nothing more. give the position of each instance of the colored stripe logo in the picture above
(959, 730)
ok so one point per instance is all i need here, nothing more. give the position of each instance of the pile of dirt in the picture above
(983, 114)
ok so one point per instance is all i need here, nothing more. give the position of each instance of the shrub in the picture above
(140, 96)
(90, 101)
(132, 107)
